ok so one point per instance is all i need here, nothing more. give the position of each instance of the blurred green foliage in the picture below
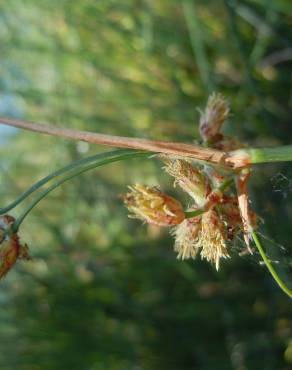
(105, 292)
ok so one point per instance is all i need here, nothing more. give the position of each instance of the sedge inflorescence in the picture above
(216, 215)
(205, 228)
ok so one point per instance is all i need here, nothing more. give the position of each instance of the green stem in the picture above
(226, 184)
(273, 272)
(197, 212)
(203, 209)
(61, 171)
(266, 155)
(115, 156)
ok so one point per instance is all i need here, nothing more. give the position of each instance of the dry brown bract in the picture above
(10, 247)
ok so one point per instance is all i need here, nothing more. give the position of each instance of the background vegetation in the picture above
(105, 292)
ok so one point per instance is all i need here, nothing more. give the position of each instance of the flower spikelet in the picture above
(190, 179)
(213, 238)
(213, 117)
(10, 247)
(186, 238)
(153, 206)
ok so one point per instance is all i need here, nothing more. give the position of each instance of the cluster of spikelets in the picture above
(215, 216)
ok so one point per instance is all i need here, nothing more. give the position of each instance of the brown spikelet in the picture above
(212, 119)
(153, 206)
(213, 238)
(190, 179)
(186, 238)
(10, 247)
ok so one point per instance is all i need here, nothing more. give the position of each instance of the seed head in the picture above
(213, 238)
(190, 179)
(153, 206)
(213, 117)
(187, 238)
(204, 234)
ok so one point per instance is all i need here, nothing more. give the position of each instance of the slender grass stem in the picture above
(121, 155)
(63, 170)
(273, 272)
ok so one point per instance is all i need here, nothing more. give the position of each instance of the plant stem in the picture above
(197, 212)
(236, 159)
(63, 170)
(273, 272)
(266, 155)
(78, 171)
(180, 149)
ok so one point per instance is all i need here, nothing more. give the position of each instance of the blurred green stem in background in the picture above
(240, 45)
(197, 43)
